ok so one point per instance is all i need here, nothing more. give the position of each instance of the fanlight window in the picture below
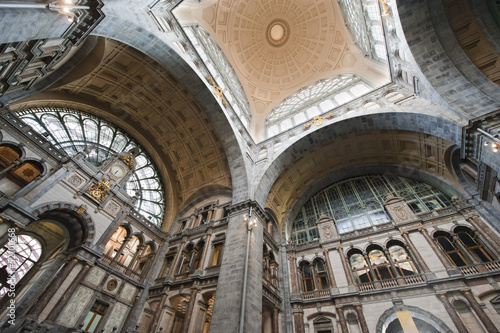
(16, 259)
(358, 203)
(72, 131)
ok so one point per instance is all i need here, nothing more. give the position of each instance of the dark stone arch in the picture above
(422, 123)
(153, 43)
(79, 223)
(369, 169)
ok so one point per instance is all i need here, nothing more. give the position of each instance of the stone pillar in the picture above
(122, 247)
(362, 320)
(347, 267)
(490, 327)
(453, 314)
(156, 317)
(138, 251)
(275, 320)
(228, 299)
(293, 274)
(415, 254)
(177, 258)
(393, 266)
(39, 306)
(343, 323)
(370, 268)
(205, 251)
(56, 311)
(298, 319)
(10, 167)
(446, 263)
(330, 270)
(189, 311)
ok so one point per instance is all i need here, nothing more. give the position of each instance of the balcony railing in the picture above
(120, 268)
(391, 283)
(316, 294)
(480, 268)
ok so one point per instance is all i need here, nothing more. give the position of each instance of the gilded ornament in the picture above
(100, 190)
(218, 91)
(318, 121)
(128, 160)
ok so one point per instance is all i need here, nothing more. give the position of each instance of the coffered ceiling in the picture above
(277, 47)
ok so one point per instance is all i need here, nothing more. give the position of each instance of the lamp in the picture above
(64, 7)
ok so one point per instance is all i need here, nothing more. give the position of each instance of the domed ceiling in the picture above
(277, 47)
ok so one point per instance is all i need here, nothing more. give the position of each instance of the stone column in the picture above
(10, 167)
(393, 265)
(453, 314)
(56, 311)
(490, 327)
(120, 250)
(362, 320)
(330, 270)
(39, 306)
(343, 323)
(275, 320)
(415, 254)
(177, 258)
(347, 267)
(446, 263)
(298, 319)
(229, 297)
(370, 268)
(189, 311)
(156, 317)
(205, 251)
(138, 251)
(293, 274)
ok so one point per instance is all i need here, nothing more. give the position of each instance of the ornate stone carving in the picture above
(95, 276)
(400, 213)
(327, 230)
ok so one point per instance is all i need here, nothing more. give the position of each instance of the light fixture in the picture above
(486, 143)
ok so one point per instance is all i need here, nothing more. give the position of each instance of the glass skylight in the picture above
(72, 131)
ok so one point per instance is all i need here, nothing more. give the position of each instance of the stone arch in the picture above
(79, 223)
(390, 314)
(158, 49)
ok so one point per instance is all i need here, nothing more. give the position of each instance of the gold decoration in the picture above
(128, 160)
(218, 91)
(80, 211)
(386, 7)
(318, 121)
(100, 190)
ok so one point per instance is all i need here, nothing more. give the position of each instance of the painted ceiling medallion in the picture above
(278, 32)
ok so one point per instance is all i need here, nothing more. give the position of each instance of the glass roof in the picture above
(72, 131)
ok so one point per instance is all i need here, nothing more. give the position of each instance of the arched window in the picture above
(321, 274)
(16, 259)
(8, 154)
(358, 203)
(359, 268)
(307, 277)
(380, 264)
(473, 246)
(452, 251)
(115, 243)
(72, 131)
(403, 262)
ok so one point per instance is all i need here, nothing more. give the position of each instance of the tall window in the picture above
(358, 203)
(307, 277)
(450, 248)
(16, 259)
(321, 274)
(217, 254)
(403, 262)
(473, 246)
(94, 317)
(73, 131)
(359, 268)
(380, 264)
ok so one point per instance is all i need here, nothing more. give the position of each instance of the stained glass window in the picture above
(72, 131)
(358, 203)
